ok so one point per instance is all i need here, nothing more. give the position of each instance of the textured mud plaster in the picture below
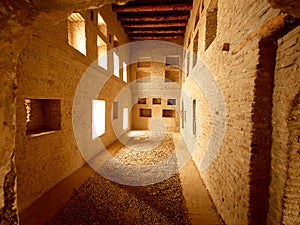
(20, 19)
(8, 214)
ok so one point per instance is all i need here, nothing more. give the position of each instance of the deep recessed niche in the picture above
(156, 101)
(145, 112)
(168, 113)
(42, 115)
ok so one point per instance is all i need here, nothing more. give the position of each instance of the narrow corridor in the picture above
(93, 199)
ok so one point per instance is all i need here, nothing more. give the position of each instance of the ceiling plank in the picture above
(153, 8)
(151, 25)
(152, 18)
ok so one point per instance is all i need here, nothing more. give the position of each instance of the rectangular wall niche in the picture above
(142, 101)
(145, 112)
(76, 32)
(171, 101)
(172, 76)
(156, 101)
(168, 113)
(115, 110)
(42, 115)
(172, 61)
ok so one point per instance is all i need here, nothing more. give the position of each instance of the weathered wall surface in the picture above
(49, 68)
(149, 82)
(19, 20)
(284, 189)
(238, 179)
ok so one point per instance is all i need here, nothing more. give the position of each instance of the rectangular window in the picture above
(115, 110)
(172, 61)
(172, 76)
(102, 53)
(116, 42)
(102, 25)
(42, 115)
(98, 118)
(172, 101)
(194, 116)
(116, 65)
(145, 112)
(195, 49)
(142, 101)
(125, 118)
(125, 78)
(182, 114)
(168, 113)
(76, 32)
(211, 23)
(188, 64)
(156, 101)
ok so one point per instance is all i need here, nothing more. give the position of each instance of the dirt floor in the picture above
(89, 198)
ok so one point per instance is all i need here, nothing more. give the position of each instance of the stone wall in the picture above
(284, 201)
(242, 59)
(155, 79)
(49, 68)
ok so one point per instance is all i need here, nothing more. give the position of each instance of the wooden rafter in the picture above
(159, 24)
(171, 37)
(170, 31)
(152, 18)
(154, 8)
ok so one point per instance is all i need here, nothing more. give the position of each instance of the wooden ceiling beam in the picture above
(171, 37)
(171, 31)
(153, 8)
(153, 25)
(152, 18)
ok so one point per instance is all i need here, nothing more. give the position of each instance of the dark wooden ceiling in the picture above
(154, 19)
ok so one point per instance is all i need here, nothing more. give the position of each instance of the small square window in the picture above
(168, 113)
(171, 101)
(145, 112)
(142, 101)
(42, 115)
(156, 101)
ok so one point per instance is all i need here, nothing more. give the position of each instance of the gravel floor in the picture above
(101, 201)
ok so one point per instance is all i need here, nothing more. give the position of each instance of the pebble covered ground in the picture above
(101, 201)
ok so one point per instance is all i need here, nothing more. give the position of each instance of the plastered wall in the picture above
(49, 68)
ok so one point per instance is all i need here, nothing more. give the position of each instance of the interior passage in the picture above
(97, 200)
